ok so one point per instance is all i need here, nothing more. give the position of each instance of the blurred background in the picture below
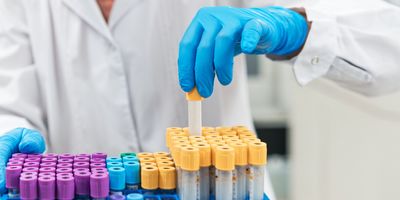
(324, 142)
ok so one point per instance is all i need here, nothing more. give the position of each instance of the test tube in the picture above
(167, 179)
(144, 154)
(176, 149)
(81, 159)
(168, 134)
(19, 155)
(132, 174)
(114, 164)
(257, 161)
(225, 165)
(212, 167)
(99, 155)
(149, 178)
(117, 180)
(78, 165)
(82, 184)
(122, 155)
(65, 187)
(99, 186)
(240, 177)
(130, 158)
(194, 111)
(47, 187)
(28, 187)
(134, 196)
(190, 165)
(205, 163)
(117, 197)
(12, 180)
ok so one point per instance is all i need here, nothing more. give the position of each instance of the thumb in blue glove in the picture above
(217, 34)
(18, 140)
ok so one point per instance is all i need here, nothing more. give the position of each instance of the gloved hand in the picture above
(18, 140)
(217, 34)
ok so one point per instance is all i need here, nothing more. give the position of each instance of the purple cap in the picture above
(47, 187)
(66, 155)
(32, 159)
(47, 169)
(81, 159)
(16, 159)
(29, 174)
(99, 155)
(19, 155)
(83, 155)
(99, 170)
(82, 183)
(15, 163)
(98, 165)
(51, 174)
(98, 160)
(50, 155)
(81, 170)
(117, 197)
(65, 160)
(30, 169)
(99, 185)
(12, 176)
(35, 155)
(28, 187)
(64, 165)
(48, 164)
(31, 164)
(64, 170)
(49, 159)
(81, 165)
(65, 187)
(64, 174)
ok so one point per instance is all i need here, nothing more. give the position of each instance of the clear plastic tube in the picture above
(204, 183)
(13, 193)
(190, 188)
(224, 186)
(256, 182)
(239, 183)
(132, 186)
(178, 180)
(194, 113)
(212, 180)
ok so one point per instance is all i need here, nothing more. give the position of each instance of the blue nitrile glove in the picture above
(217, 34)
(18, 140)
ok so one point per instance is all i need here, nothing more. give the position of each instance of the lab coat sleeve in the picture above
(356, 44)
(19, 92)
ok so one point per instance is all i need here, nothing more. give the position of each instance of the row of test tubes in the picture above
(225, 162)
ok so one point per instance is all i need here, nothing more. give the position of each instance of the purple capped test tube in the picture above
(12, 180)
(97, 160)
(64, 174)
(35, 155)
(99, 170)
(48, 164)
(83, 155)
(47, 169)
(50, 155)
(28, 187)
(81, 165)
(81, 159)
(117, 197)
(16, 159)
(82, 185)
(97, 165)
(64, 170)
(81, 170)
(47, 187)
(32, 159)
(30, 169)
(51, 174)
(65, 187)
(99, 155)
(49, 159)
(31, 164)
(65, 160)
(99, 186)
(19, 155)
(29, 173)
(15, 163)
(66, 155)
(64, 165)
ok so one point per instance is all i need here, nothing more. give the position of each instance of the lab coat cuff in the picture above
(319, 50)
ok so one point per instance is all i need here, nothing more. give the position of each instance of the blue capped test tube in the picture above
(132, 174)
(117, 180)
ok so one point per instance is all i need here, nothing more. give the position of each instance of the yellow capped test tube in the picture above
(167, 179)
(144, 154)
(205, 163)
(149, 179)
(194, 111)
(190, 165)
(240, 176)
(207, 133)
(257, 159)
(160, 154)
(225, 166)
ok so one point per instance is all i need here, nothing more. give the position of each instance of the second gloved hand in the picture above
(18, 140)
(217, 34)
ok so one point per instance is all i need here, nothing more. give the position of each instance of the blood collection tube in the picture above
(65, 187)
(48, 164)
(167, 179)
(78, 165)
(194, 111)
(16, 159)
(30, 169)
(64, 170)
(113, 159)
(32, 159)
(99, 155)
(160, 154)
(47, 169)
(212, 167)
(81, 159)
(117, 197)
(28, 187)
(19, 155)
(35, 155)
(15, 163)
(99, 186)
(168, 134)
(82, 184)
(49, 159)
(205, 163)
(240, 176)
(99, 170)
(66, 156)
(50, 155)
(134, 196)
(149, 178)
(130, 158)
(47, 187)
(12, 180)
(81, 170)
(97, 160)
(176, 149)
(31, 164)
(117, 180)
(190, 165)
(23, 174)
(132, 171)
(144, 154)
(114, 164)
(122, 155)
(50, 174)
(257, 161)
(65, 160)
(86, 155)
(97, 165)
(225, 165)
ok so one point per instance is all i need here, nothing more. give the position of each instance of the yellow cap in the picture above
(225, 158)
(197, 141)
(167, 177)
(205, 154)
(176, 151)
(213, 149)
(165, 163)
(163, 159)
(160, 154)
(196, 137)
(213, 137)
(257, 153)
(247, 135)
(207, 128)
(216, 141)
(172, 135)
(186, 131)
(147, 164)
(149, 177)
(190, 158)
(239, 128)
(180, 137)
(233, 140)
(173, 129)
(147, 159)
(247, 140)
(240, 153)
(226, 137)
(207, 133)
(193, 95)
(240, 132)
(227, 132)
(144, 154)
(168, 133)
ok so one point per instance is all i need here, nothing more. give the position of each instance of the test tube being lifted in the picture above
(190, 165)
(194, 111)
(225, 165)
(257, 161)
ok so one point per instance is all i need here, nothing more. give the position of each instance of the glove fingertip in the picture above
(204, 91)
(32, 142)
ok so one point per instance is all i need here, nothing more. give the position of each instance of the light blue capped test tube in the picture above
(113, 159)
(117, 180)
(130, 158)
(114, 164)
(132, 171)
(134, 196)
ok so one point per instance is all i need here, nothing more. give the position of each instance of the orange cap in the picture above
(165, 163)
(169, 130)
(240, 153)
(163, 159)
(147, 159)
(227, 132)
(240, 132)
(233, 140)
(149, 177)
(144, 154)
(180, 137)
(213, 149)
(193, 95)
(205, 154)
(225, 158)
(207, 133)
(176, 152)
(160, 154)
(239, 128)
(216, 141)
(190, 158)
(223, 128)
(225, 137)
(213, 137)
(207, 128)
(196, 137)
(247, 135)
(172, 135)
(250, 139)
(148, 163)
(186, 131)
(167, 177)
(257, 153)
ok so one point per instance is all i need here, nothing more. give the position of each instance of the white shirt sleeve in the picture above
(19, 92)
(356, 44)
